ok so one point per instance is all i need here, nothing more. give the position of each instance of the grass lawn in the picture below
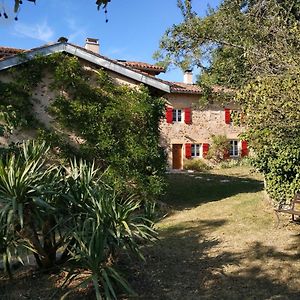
(220, 241)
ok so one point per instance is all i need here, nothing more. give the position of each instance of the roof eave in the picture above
(185, 92)
(81, 53)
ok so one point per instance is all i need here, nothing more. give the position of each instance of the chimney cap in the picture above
(62, 39)
(188, 71)
(92, 41)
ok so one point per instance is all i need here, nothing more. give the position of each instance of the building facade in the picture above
(186, 130)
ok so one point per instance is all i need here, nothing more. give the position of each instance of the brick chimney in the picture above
(92, 45)
(188, 77)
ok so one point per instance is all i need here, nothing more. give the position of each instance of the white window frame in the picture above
(234, 148)
(194, 150)
(176, 114)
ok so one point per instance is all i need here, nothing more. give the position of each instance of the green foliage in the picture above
(103, 223)
(232, 163)
(115, 125)
(195, 164)
(219, 148)
(15, 107)
(281, 166)
(271, 106)
(43, 208)
(24, 182)
(240, 40)
(118, 124)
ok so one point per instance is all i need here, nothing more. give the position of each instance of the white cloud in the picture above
(41, 31)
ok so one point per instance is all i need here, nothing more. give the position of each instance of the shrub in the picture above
(196, 165)
(231, 163)
(43, 208)
(280, 165)
(219, 148)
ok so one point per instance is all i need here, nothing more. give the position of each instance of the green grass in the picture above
(220, 241)
(193, 189)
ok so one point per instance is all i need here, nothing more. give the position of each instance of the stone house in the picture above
(186, 130)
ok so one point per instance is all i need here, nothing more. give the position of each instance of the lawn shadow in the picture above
(186, 264)
(188, 191)
(30, 283)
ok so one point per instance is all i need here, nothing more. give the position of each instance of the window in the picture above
(177, 115)
(234, 149)
(196, 150)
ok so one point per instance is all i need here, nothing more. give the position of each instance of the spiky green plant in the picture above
(105, 223)
(24, 210)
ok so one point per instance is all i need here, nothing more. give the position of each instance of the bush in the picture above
(280, 165)
(219, 148)
(231, 163)
(196, 164)
(44, 208)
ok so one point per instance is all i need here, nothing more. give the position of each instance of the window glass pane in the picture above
(234, 150)
(197, 150)
(193, 150)
(179, 115)
(174, 115)
(231, 148)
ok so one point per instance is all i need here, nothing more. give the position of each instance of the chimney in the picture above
(188, 77)
(92, 45)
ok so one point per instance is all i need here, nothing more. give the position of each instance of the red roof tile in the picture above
(181, 87)
(7, 51)
(142, 66)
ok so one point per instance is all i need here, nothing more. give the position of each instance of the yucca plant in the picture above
(105, 223)
(44, 208)
(25, 213)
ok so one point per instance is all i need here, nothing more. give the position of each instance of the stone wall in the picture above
(204, 124)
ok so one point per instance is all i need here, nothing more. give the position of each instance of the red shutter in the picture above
(205, 148)
(244, 148)
(187, 116)
(169, 115)
(188, 150)
(227, 116)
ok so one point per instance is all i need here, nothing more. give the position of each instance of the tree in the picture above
(99, 3)
(253, 37)
(251, 46)
(17, 3)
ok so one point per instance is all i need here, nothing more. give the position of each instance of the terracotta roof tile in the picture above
(143, 66)
(7, 51)
(180, 87)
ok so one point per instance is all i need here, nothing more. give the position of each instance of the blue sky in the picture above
(132, 32)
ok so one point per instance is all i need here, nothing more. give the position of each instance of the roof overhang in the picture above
(88, 56)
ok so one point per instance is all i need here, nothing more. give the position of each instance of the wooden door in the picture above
(177, 156)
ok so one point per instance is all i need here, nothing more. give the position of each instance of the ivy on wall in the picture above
(118, 126)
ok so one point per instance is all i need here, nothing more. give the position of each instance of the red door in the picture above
(177, 156)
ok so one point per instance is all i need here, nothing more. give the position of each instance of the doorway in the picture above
(177, 156)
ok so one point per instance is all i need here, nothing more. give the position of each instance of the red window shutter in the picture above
(187, 116)
(227, 116)
(169, 115)
(244, 148)
(188, 150)
(205, 148)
